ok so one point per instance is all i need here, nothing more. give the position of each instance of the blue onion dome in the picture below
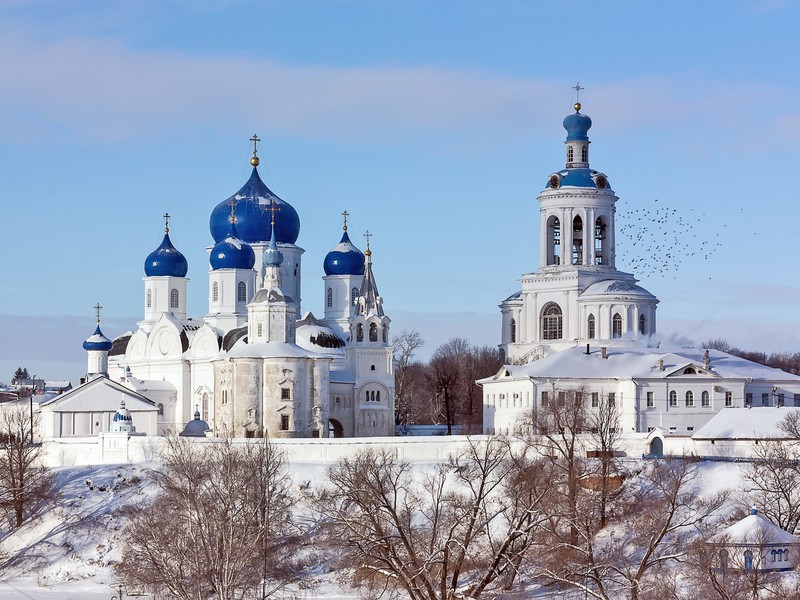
(232, 252)
(166, 261)
(122, 414)
(344, 258)
(97, 341)
(577, 125)
(253, 216)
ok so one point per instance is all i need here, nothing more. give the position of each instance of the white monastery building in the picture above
(254, 364)
(580, 326)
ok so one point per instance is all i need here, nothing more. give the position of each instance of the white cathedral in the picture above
(580, 326)
(254, 364)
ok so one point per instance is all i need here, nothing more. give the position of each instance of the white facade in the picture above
(578, 325)
(254, 363)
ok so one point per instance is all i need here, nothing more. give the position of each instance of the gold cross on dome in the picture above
(273, 208)
(232, 218)
(166, 222)
(255, 139)
(345, 214)
(97, 309)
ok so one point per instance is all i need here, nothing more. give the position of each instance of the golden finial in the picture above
(232, 218)
(166, 222)
(273, 208)
(578, 89)
(367, 235)
(255, 139)
(97, 309)
(345, 214)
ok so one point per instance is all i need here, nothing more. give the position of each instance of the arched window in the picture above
(673, 398)
(173, 299)
(378, 396)
(570, 153)
(241, 292)
(553, 241)
(585, 154)
(160, 409)
(600, 257)
(513, 331)
(705, 401)
(359, 332)
(330, 297)
(591, 328)
(616, 326)
(577, 241)
(689, 371)
(354, 295)
(373, 332)
(366, 394)
(642, 324)
(260, 330)
(149, 298)
(551, 322)
(385, 333)
(748, 560)
(689, 399)
(205, 407)
(215, 292)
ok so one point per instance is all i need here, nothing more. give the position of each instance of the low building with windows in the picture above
(755, 543)
(578, 325)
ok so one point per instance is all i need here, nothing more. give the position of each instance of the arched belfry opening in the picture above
(600, 242)
(553, 241)
(577, 241)
(552, 322)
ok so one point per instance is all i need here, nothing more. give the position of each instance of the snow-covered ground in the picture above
(68, 551)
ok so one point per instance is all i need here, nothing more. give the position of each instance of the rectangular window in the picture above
(578, 398)
(649, 429)
(797, 399)
(286, 394)
(562, 396)
(781, 399)
(284, 422)
(690, 429)
(544, 399)
(650, 400)
(595, 399)
(764, 399)
(748, 399)
(612, 398)
(728, 398)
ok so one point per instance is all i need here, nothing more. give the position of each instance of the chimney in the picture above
(603, 352)
(660, 364)
(706, 360)
(587, 349)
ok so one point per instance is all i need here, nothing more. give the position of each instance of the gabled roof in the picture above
(642, 363)
(757, 423)
(99, 395)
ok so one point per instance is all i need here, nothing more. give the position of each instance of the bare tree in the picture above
(24, 480)
(406, 345)
(221, 524)
(446, 374)
(771, 482)
(454, 532)
(604, 424)
(663, 514)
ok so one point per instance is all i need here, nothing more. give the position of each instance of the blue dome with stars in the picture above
(577, 126)
(232, 252)
(97, 341)
(253, 216)
(344, 259)
(166, 261)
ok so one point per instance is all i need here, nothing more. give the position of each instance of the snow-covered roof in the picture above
(642, 363)
(745, 424)
(268, 350)
(147, 385)
(99, 395)
(754, 530)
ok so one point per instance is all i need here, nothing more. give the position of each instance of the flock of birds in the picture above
(658, 240)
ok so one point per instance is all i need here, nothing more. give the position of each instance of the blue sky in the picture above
(435, 124)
